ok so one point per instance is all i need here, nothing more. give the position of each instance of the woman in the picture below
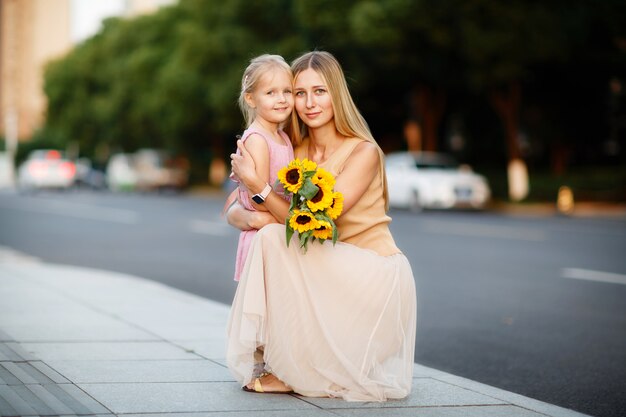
(336, 321)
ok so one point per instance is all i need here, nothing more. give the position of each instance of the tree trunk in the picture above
(506, 103)
(427, 105)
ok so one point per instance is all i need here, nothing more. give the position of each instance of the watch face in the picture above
(258, 199)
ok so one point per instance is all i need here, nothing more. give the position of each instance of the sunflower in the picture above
(302, 221)
(321, 175)
(307, 165)
(323, 199)
(323, 231)
(291, 176)
(336, 206)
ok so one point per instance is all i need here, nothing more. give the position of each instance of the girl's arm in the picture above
(243, 166)
(260, 155)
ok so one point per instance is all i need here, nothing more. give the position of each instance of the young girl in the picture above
(266, 102)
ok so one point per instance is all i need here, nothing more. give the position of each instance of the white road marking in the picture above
(210, 228)
(77, 210)
(589, 275)
(481, 230)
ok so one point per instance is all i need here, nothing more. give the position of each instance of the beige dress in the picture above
(336, 321)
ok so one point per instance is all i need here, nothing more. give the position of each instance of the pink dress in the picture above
(280, 156)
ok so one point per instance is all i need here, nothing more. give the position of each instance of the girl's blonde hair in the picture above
(348, 120)
(251, 77)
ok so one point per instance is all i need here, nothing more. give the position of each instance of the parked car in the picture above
(120, 172)
(88, 176)
(46, 168)
(419, 180)
(146, 170)
(158, 170)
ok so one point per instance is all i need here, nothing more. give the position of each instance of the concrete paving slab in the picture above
(50, 373)
(204, 332)
(77, 332)
(510, 397)
(29, 373)
(468, 411)
(195, 370)
(426, 392)
(145, 314)
(188, 397)
(257, 413)
(107, 351)
(210, 349)
(182, 372)
(12, 404)
(16, 301)
(12, 351)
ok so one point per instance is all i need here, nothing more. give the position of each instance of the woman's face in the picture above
(312, 99)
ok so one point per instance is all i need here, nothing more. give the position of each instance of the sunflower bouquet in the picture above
(314, 203)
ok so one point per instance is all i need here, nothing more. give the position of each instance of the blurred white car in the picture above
(46, 168)
(120, 172)
(430, 180)
(156, 169)
(145, 170)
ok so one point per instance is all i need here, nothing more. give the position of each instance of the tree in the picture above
(169, 79)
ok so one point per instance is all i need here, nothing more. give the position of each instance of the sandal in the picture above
(258, 387)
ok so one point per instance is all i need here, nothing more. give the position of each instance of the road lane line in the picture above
(210, 228)
(589, 275)
(77, 210)
(489, 231)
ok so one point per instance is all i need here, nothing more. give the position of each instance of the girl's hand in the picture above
(243, 166)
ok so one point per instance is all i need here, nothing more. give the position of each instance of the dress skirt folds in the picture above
(336, 321)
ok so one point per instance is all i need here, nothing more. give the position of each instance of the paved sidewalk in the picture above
(77, 341)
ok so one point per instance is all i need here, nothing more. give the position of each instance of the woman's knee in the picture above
(272, 232)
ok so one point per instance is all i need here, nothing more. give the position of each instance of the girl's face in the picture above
(272, 98)
(313, 102)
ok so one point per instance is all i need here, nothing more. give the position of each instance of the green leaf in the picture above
(335, 231)
(308, 189)
(289, 232)
(294, 204)
(322, 215)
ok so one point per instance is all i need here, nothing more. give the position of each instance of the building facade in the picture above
(33, 32)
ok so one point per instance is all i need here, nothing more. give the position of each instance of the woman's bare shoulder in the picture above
(365, 149)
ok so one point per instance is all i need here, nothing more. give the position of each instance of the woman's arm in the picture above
(244, 168)
(242, 219)
(359, 171)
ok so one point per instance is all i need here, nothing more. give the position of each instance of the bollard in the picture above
(565, 200)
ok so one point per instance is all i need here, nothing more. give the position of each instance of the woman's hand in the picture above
(242, 219)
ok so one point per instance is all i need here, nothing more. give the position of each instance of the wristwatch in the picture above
(260, 197)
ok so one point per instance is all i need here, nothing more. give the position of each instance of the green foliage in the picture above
(41, 139)
(171, 79)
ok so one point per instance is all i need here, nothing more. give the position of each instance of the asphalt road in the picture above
(533, 305)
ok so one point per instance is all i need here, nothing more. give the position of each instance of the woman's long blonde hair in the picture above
(252, 75)
(348, 120)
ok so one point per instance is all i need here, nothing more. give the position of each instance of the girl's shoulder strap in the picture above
(285, 137)
(249, 131)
